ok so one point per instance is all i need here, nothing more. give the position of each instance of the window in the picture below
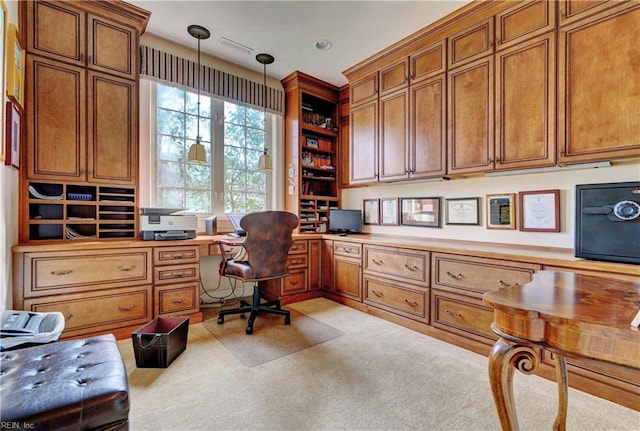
(229, 181)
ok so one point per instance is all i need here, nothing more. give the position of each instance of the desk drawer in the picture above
(396, 298)
(297, 261)
(176, 273)
(177, 298)
(96, 312)
(176, 255)
(350, 249)
(299, 246)
(476, 275)
(295, 282)
(462, 315)
(411, 266)
(50, 273)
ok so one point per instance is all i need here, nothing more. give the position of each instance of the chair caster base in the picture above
(249, 330)
(287, 320)
(220, 320)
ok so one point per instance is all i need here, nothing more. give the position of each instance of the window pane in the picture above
(199, 201)
(198, 176)
(170, 98)
(255, 118)
(171, 198)
(170, 122)
(170, 174)
(255, 139)
(170, 148)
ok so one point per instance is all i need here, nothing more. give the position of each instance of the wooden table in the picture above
(571, 315)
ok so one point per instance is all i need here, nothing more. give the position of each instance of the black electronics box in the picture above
(608, 222)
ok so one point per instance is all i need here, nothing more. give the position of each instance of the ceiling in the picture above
(289, 30)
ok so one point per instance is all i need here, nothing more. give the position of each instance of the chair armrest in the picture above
(222, 243)
(233, 243)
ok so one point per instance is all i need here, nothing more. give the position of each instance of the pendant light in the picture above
(197, 152)
(264, 163)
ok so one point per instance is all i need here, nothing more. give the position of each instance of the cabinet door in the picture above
(56, 30)
(524, 21)
(470, 118)
(428, 62)
(599, 101)
(55, 149)
(427, 125)
(112, 153)
(364, 90)
(525, 111)
(570, 11)
(394, 77)
(327, 265)
(315, 264)
(394, 136)
(363, 152)
(472, 43)
(347, 278)
(111, 47)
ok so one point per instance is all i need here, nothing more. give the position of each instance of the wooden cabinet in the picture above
(347, 270)
(599, 101)
(81, 111)
(393, 136)
(311, 150)
(525, 108)
(472, 43)
(314, 264)
(176, 277)
(470, 117)
(97, 290)
(570, 11)
(457, 285)
(363, 144)
(524, 20)
(397, 280)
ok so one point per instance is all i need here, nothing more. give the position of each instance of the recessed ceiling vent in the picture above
(235, 45)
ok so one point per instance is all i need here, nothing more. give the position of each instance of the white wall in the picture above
(8, 204)
(565, 181)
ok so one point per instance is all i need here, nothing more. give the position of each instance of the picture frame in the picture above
(311, 142)
(501, 211)
(15, 66)
(389, 211)
(13, 135)
(371, 211)
(462, 211)
(420, 212)
(3, 24)
(539, 210)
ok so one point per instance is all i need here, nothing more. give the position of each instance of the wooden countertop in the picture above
(562, 257)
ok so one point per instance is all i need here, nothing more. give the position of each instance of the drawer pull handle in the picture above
(411, 268)
(377, 262)
(126, 268)
(294, 282)
(505, 284)
(183, 255)
(454, 276)
(62, 272)
(68, 316)
(452, 314)
(129, 308)
(378, 294)
(177, 301)
(411, 303)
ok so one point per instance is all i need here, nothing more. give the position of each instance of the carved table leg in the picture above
(504, 358)
(561, 376)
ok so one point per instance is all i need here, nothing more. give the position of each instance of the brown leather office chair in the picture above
(267, 244)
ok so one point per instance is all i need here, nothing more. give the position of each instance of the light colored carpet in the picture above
(271, 338)
(377, 376)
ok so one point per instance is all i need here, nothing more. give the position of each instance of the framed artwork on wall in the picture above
(539, 211)
(3, 27)
(15, 66)
(389, 211)
(501, 211)
(371, 211)
(14, 117)
(420, 212)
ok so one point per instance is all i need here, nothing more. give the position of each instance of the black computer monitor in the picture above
(235, 218)
(345, 221)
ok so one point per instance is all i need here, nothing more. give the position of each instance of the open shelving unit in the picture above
(61, 211)
(311, 150)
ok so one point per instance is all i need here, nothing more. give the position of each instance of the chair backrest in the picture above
(268, 241)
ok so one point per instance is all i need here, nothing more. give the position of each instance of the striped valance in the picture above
(167, 67)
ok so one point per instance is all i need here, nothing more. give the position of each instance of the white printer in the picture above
(165, 224)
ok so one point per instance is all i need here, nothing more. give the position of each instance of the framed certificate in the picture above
(462, 211)
(389, 211)
(371, 211)
(539, 211)
(421, 212)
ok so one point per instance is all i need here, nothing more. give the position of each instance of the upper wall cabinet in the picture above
(524, 21)
(570, 11)
(472, 43)
(67, 33)
(428, 62)
(599, 104)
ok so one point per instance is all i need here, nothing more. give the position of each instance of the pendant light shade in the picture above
(197, 152)
(264, 163)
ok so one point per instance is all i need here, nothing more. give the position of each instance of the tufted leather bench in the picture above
(69, 385)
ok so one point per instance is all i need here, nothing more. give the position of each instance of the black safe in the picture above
(608, 222)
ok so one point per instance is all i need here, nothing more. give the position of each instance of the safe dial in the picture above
(626, 210)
